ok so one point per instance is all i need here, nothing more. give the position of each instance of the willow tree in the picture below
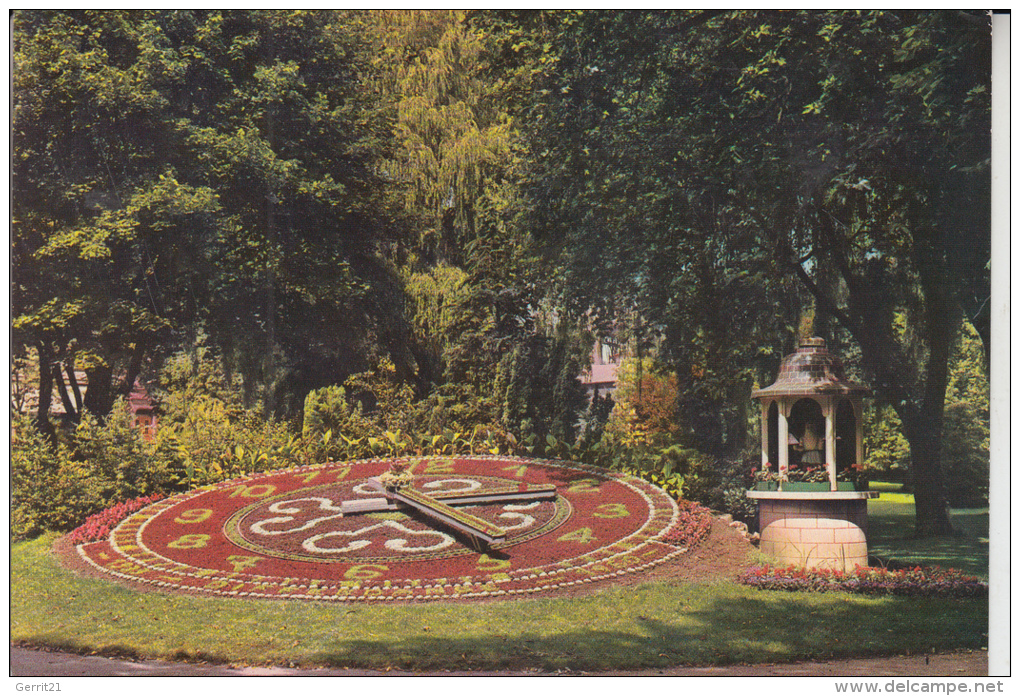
(456, 147)
(452, 138)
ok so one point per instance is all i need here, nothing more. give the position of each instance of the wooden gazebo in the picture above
(812, 404)
(812, 421)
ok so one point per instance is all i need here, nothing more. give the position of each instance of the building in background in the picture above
(606, 357)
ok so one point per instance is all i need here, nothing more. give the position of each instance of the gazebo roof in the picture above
(811, 370)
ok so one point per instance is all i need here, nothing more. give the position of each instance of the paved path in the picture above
(43, 663)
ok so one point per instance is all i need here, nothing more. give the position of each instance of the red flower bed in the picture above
(99, 526)
(692, 525)
(914, 582)
(286, 534)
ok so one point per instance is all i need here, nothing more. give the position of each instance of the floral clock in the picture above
(336, 532)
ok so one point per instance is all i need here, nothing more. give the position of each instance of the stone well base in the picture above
(815, 529)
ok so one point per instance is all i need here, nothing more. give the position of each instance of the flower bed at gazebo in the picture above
(914, 582)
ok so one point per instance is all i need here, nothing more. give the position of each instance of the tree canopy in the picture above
(732, 152)
(471, 197)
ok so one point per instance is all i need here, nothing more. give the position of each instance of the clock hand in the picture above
(475, 527)
(525, 492)
(395, 484)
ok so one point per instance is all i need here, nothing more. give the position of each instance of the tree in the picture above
(95, 203)
(537, 386)
(471, 274)
(631, 246)
(452, 138)
(846, 150)
(189, 168)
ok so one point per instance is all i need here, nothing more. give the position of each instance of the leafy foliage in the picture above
(55, 486)
(538, 390)
(753, 162)
(646, 404)
(197, 166)
(965, 454)
(432, 209)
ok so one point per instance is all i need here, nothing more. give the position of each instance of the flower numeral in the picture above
(256, 491)
(519, 471)
(583, 535)
(365, 571)
(488, 563)
(611, 511)
(193, 516)
(190, 541)
(585, 485)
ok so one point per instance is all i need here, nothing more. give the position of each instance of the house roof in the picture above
(600, 374)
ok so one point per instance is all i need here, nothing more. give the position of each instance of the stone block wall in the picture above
(815, 533)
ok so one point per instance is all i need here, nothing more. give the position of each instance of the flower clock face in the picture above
(458, 527)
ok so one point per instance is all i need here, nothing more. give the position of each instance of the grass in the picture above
(651, 625)
(891, 540)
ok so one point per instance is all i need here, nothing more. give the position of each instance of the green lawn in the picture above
(891, 529)
(651, 625)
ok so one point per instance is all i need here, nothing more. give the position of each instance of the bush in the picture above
(888, 452)
(214, 443)
(116, 459)
(55, 486)
(723, 486)
(36, 496)
(645, 413)
(965, 463)
(325, 409)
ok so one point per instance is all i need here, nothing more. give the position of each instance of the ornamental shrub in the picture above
(723, 484)
(213, 442)
(646, 405)
(536, 387)
(117, 461)
(55, 486)
(37, 503)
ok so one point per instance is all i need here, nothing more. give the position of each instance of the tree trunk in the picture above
(931, 509)
(99, 397)
(70, 412)
(42, 416)
(897, 379)
(72, 379)
(134, 369)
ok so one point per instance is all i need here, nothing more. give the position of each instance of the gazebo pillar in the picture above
(784, 442)
(829, 411)
(764, 433)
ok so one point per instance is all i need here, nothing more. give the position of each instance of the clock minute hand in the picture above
(524, 493)
(475, 527)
